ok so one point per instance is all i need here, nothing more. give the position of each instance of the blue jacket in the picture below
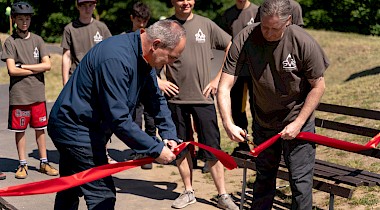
(101, 95)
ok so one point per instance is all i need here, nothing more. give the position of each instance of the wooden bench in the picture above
(329, 177)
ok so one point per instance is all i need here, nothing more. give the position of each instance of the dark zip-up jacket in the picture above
(100, 98)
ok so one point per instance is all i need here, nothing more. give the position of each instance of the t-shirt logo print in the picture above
(289, 63)
(200, 37)
(251, 21)
(98, 38)
(36, 53)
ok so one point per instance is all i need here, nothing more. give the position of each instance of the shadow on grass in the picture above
(364, 73)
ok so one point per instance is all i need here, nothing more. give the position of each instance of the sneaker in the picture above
(225, 202)
(46, 168)
(22, 172)
(185, 199)
(111, 160)
(2, 176)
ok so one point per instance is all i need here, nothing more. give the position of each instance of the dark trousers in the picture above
(238, 101)
(299, 157)
(150, 127)
(99, 194)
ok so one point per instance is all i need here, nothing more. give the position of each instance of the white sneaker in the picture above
(225, 202)
(186, 198)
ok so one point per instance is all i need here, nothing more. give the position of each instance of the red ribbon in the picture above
(374, 141)
(257, 150)
(323, 140)
(63, 183)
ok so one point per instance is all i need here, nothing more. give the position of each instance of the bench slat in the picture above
(351, 111)
(367, 176)
(353, 129)
(331, 171)
(317, 184)
(349, 180)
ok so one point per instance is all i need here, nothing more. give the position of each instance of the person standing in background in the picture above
(287, 67)
(296, 14)
(2, 175)
(27, 59)
(140, 16)
(79, 37)
(234, 19)
(191, 74)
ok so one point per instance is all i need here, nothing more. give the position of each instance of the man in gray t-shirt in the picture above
(191, 74)
(234, 19)
(80, 36)
(287, 67)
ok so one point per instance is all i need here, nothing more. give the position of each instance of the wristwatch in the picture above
(18, 65)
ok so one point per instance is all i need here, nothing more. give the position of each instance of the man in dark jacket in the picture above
(99, 100)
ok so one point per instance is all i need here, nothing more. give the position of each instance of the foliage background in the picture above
(358, 16)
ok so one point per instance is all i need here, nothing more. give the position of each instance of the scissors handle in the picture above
(247, 140)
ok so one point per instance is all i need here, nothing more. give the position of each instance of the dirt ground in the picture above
(205, 188)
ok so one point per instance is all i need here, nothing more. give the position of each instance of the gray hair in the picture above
(168, 31)
(282, 8)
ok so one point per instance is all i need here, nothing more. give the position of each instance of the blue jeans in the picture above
(99, 194)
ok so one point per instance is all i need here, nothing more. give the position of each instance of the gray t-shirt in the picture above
(192, 71)
(25, 90)
(296, 14)
(279, 71)
(79, 38)
(234, 19)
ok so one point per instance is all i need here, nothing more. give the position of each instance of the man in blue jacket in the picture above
(99, 100)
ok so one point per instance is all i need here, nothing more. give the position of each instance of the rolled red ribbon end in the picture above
(257, 150)
(374, 141)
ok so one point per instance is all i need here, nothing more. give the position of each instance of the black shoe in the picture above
(147, 166)
(2, 176)
(205, 169)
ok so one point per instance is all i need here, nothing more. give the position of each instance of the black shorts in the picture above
(205, 122)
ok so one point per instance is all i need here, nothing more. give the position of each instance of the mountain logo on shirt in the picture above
(251, 21)
(36, 53)
(200, 37)
(289, 63)
(98, 38)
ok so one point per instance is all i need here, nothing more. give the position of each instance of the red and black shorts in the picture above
(20, 116)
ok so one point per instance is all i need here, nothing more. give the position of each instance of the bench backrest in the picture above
(349, 128)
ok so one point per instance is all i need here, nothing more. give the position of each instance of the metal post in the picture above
(331, 204)
(242, 200)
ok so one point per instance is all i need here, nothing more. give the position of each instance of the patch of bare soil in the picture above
(206, 190)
